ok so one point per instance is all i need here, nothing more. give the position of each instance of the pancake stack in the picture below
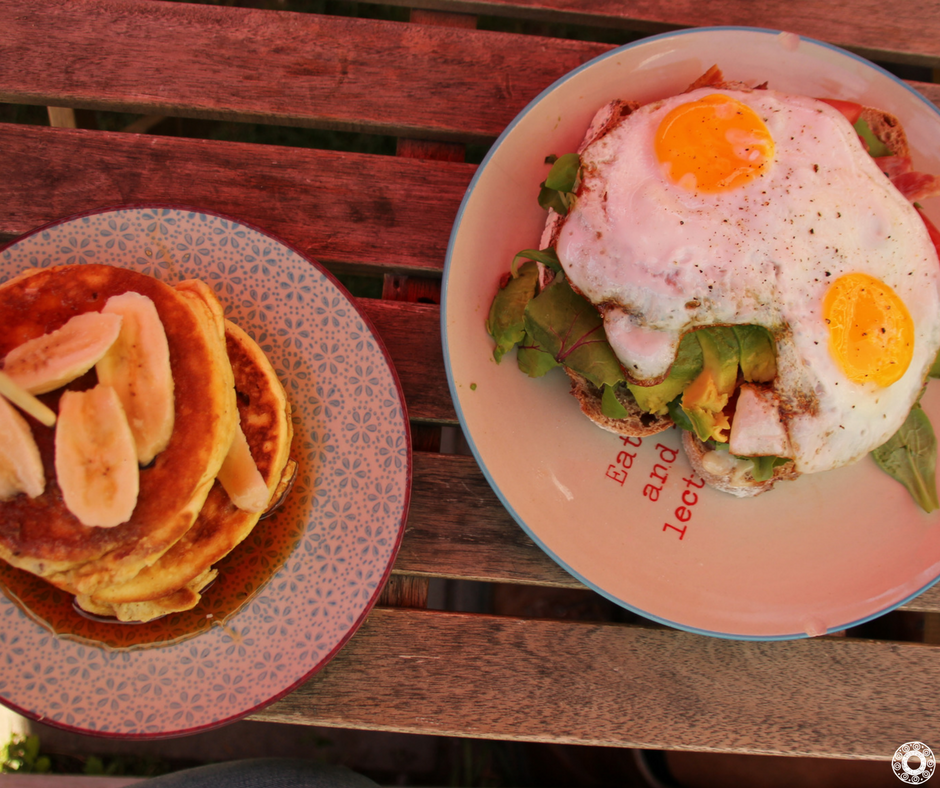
(161, 558)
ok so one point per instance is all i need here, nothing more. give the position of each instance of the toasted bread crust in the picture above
(740, 484)
(887, 128)
(637, 424)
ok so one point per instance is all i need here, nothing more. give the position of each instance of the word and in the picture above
(620, 469)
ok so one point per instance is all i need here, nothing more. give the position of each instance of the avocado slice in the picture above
(758, 353)
(705, 398)
(686, 367)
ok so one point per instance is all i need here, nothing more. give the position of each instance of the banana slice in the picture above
(20, 463)
(95, 457)
(26, 402)
(49, 362)
(137, 367)
(240, 477)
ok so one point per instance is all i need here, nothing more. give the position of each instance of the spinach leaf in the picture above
(506, 321)
(567, 326)
(532, 359)
(556, 191)
(546, 257)
(910, 456)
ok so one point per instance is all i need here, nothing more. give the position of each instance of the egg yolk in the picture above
(713, 144)
(871, 334)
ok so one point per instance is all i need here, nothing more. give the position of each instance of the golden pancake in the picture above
(40, 534)
(174, 582)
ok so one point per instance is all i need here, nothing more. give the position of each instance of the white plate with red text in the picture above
(628, 517)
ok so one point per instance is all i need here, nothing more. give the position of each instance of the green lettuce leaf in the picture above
(506, 321)
(910, 456)
(763, 467)
(567, 326)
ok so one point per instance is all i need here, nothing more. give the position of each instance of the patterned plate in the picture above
(295, 591)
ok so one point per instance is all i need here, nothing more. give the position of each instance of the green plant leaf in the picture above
(935, 367)
(678, 415)
(532, 360)
(506, 321)
(556, 191)
(554, 200)
(611, 406)
(763, 467)
(564, 173)
(567, 326)
(910, 456)
(546, 257)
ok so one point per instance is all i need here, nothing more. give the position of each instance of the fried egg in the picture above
(724, 207)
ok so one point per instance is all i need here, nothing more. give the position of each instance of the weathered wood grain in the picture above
(906, 32)
(457, 528)
(382, 212)
(411, 334)
(927, 602)
(508, 678)
(415, 80)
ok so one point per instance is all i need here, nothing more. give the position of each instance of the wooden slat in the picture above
(927, 602)
(275, 67)
(907, 32)
(457, 528)
(412, 335)
(384, 212)
(508, 678)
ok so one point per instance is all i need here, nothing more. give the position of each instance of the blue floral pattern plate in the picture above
(310, 573)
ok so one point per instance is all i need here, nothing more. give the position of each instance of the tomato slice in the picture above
(851, 109)
(932, 230)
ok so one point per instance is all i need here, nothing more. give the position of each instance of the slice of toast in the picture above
(887, 128)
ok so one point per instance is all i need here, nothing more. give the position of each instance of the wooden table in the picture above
(438, 84)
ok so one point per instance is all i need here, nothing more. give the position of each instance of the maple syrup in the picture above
(242, 573)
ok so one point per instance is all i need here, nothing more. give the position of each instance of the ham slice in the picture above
(917, 185)
(893, 166)
(757, 429)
